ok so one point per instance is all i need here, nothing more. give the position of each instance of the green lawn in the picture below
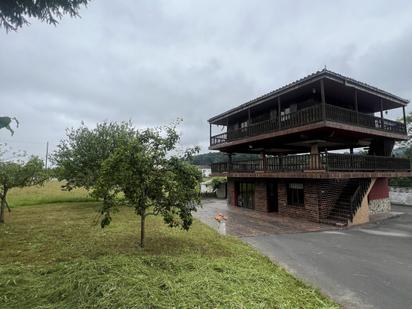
(55, 256)
(49, 193)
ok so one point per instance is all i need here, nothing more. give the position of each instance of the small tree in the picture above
(14, 13)
(150, 179)
(18, 174)
(80, 155)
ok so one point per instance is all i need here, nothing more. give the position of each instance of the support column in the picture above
(210, 134)
(264, 161)
(279, 116)
(322, 93)
(314, 157)
(381, 106)
(356, 106)
(229, 162)
(404, 118)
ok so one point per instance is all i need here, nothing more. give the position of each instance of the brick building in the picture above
(324, 146)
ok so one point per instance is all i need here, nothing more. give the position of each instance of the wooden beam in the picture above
(323, 98)
(356, 106)
(279, 118)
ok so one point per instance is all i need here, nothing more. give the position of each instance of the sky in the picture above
(155, 61)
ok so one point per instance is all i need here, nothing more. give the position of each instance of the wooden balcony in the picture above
(328, 165)
(313, 114)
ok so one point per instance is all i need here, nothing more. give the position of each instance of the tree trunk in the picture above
(2, 206)
(142, 221)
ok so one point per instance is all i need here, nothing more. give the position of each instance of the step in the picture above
(334, 222)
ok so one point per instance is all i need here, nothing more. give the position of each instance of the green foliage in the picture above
(53, 257)
(19, 174)
(14, 13)
(148, 176)
(6, 121)
(216, 182)
(79, 157)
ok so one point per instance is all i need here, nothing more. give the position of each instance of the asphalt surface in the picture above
(368, 266)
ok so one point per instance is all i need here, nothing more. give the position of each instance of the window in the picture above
(246, 195)
(295, 194)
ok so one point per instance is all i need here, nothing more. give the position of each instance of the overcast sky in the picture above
(155, 61)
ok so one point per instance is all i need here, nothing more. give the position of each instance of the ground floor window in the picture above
(246, 195)
(295, 194)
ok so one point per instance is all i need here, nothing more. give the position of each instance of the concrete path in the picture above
(368, 266)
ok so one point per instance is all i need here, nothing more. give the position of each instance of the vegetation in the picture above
(48, 193)
(79, 157)
(14, 13)
(124, 166)
(5, 122)
(54, 257)
(18, 174)
(216, 182)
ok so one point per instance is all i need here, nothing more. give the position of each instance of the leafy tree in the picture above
(14, 13)
(80, 155)
(147, 175)
(5, 122)
(18, 174)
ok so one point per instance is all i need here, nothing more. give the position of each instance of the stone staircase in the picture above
(348, 202)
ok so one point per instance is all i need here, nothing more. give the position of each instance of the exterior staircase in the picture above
(348, 202)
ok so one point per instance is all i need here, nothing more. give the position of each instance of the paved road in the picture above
(363, 267)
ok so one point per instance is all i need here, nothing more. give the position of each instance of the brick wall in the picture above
(261, 196)
(231, 198)
(309, 211)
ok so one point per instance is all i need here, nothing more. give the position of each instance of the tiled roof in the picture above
(318, 74)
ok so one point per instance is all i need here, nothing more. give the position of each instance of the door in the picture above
(246, 195)
(272, 192)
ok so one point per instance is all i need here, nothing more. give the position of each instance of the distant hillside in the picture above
(214, 157)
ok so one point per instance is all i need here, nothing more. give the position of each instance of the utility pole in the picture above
(47, 153)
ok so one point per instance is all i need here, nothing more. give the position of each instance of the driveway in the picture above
(368, 266)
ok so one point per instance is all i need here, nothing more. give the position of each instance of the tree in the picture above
(145, 174)
(79, 157)
(19, 174)
(5, 122)
(14, 13)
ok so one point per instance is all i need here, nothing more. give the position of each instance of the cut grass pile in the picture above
(54, 256)
(50, 192)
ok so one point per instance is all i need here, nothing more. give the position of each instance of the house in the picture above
(309, 135)
(205, 170)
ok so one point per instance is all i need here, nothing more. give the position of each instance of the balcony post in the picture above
(264, 161)
(404, 117)
(279, 117)
(381, 106)
(322, 93)
(210, 133)
(229, 162)
(356, 106)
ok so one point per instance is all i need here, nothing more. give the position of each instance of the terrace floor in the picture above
(245, 222)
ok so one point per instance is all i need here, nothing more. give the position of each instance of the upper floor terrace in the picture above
(337, 111)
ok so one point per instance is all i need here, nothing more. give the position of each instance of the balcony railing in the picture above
(318, 162)
(310, 115)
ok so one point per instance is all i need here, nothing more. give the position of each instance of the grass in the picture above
(55, 256)
(49, 193)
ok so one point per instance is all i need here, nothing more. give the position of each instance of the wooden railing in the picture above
(310, 115)
(322, 162)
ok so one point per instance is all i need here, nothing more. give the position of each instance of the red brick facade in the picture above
(380, 189)
(319, 197)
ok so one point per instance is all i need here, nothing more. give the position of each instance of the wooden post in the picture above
(279, 118)
(356, 106)
(229, 162)
(248, 117)
(322, 93)
(381, 103)
(210, 133)
(264, 161)
(404, 116)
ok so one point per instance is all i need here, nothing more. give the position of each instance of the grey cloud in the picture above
(155, 61)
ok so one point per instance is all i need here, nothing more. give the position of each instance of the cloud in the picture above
(155, 61)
